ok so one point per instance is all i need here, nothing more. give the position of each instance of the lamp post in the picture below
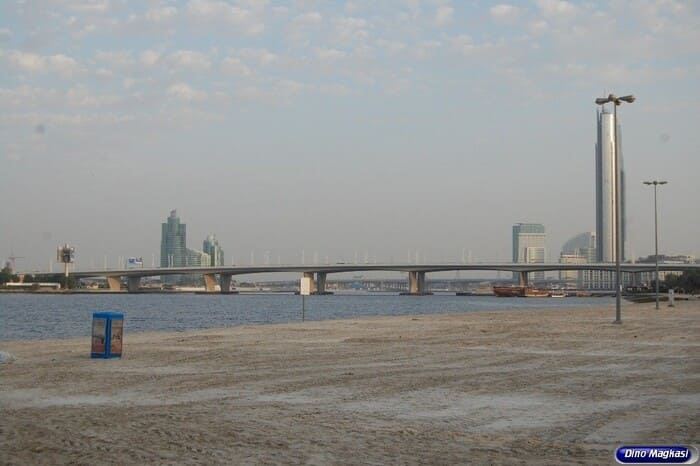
(618, 243)
(656, 183)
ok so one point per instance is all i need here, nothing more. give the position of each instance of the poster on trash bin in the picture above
(115, 348)
(98, 335)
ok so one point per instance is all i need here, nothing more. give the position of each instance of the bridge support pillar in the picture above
(210, 282)
(133, 284)
(320, 282)
(416, 284)
(115, 283)
(523, 279)
(313, 282)
(225, 283)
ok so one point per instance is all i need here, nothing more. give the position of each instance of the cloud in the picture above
(391, 47)
(234, 66)
(185, 92)
(12, 152)
(504, 12)
(5, 35)
(304, 24)
(443, 15)
(34, 63)
(464, 44)
(27, 96)
(89, 6)
(338, 90)
(329, 55)
(261, 56)
(557, 8)
(289, 88)
(27, 61)
(313, 18)
(244, 20)
(83, 97)
(116, 58)
(351, 29)
(426, 48)
(189, 59)
(149, 57)
(278, 91)
(538, 27)
(160, 15)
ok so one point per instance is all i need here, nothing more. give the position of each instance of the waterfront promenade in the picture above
(530, 387)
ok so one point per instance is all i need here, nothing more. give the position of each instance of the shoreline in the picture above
(252, 324)
(551, 386)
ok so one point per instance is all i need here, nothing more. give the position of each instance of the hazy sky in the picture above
(382, 127)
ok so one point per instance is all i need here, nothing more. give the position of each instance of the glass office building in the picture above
(173, 242)
(216, 254)
(529, 246)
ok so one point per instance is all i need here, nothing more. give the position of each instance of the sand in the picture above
(527, 387)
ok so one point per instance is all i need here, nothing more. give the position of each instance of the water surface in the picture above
(42, 316)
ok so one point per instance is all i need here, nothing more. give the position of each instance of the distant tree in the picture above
(5, 275)
(672, 281)
(72, 283)
(28, 278)
(688, 282)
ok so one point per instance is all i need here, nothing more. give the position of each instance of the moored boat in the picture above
(509, 291)
(520, 292)
(532, 292)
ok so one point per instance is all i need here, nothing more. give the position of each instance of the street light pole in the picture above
(618, 243)
(656, 183)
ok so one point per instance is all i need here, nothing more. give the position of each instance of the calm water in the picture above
(35, 316)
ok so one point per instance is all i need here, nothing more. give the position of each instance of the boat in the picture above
(520, 292)
(509, 291)
(557, 294)
(532, 292)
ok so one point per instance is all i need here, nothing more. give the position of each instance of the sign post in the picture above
(107, 334)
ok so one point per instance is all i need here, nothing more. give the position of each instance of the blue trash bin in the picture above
(107, 333)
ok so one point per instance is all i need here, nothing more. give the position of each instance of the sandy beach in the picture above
(528, 387)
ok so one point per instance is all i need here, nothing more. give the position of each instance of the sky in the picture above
(337, 130)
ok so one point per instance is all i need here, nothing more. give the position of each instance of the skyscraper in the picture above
(211, 247)
(173, 241)
(605, 188)
(529, 246)
(581, 249)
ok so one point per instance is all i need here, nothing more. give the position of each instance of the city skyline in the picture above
(387, 130)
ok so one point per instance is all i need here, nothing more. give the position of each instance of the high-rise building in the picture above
(529, 246)
(173, 241)
(583, 244)
(195, 258)
(605, 187)
(581, 249)
(211, 247)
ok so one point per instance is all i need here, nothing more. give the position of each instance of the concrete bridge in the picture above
(318, 273)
